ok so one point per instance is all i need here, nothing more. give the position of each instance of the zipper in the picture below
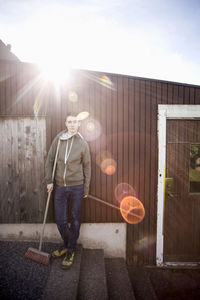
(67, 153)
(64, 175)
(66, 150)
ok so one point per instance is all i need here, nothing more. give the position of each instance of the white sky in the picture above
(148, 38)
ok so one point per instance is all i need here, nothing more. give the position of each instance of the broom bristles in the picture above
(38, 256)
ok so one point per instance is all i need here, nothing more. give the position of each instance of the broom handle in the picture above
(104, 202)
(48, 198)
(112, 205)
(45, 216)
(55, 161)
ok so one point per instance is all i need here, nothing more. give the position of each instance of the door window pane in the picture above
(194, 172)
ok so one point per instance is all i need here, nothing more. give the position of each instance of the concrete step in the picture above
(118, 281)
(22, 278)
(92, 282)
(63, 284)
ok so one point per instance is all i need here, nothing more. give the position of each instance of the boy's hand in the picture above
(49, 187)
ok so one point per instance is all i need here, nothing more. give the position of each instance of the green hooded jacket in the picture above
(73, 165)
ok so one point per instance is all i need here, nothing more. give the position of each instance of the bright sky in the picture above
(148, 38)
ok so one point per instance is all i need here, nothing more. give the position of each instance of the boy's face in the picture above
(72, 124)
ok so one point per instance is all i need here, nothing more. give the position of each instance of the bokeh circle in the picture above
(124, 189)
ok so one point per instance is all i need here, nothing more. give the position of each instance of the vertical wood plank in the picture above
(92, 144)
(192, 96)
(103, 147)
(169, 94)
(164, 93)
(135, 257)
(125, 132)
(8, 90)
(153, 173)
(120, 128)
(186, 95)
(147, 171)
(108, 114)
(175, 95)
(114, 148)
(2, 88)
(142, 162)
(180, 95)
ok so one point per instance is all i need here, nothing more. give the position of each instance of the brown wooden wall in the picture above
(126, 109)
(22, 152)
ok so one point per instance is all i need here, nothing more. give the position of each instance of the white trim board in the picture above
(111, 237)
(167, 112)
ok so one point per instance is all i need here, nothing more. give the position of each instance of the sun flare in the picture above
(56, 73)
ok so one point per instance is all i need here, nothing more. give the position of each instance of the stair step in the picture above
(63, 284)
(92, 284)
(118, 282)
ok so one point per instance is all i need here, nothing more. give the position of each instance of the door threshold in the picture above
(181, 265)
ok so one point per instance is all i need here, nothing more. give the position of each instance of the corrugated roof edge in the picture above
(117, 74)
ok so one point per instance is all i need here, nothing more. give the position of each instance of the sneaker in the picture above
(68, 260)
(59, 252)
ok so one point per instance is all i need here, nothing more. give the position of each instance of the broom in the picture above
(36, 254)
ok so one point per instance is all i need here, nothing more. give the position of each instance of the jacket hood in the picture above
(66, 135)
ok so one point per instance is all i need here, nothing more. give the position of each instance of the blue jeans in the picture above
(63, 195)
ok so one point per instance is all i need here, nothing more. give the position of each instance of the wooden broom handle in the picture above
(55, 161)
(48, 198)
(44, 221)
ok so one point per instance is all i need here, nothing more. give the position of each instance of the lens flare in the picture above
(39, 99)
(36, 107)
(132, 210)
(4, 77)
(55, 72)
(27, 88)
(90, 126)
(124, 189)
(106, 162)
(73, 97)
(145, 243)
(83, 115)
(91, 130)
(105, 80)
(108, 166)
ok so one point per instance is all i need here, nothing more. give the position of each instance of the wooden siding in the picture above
(23, 148)
(126, 109)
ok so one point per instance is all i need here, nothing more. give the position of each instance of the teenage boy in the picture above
(71, 183)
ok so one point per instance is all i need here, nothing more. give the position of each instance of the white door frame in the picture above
(167, 112)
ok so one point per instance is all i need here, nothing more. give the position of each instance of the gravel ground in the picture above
(22, 278)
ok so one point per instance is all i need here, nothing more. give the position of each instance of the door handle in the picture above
(172, 195)
(169, 183)
(169, 194)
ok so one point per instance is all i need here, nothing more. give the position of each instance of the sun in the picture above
(61, 38)
(56, 72)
